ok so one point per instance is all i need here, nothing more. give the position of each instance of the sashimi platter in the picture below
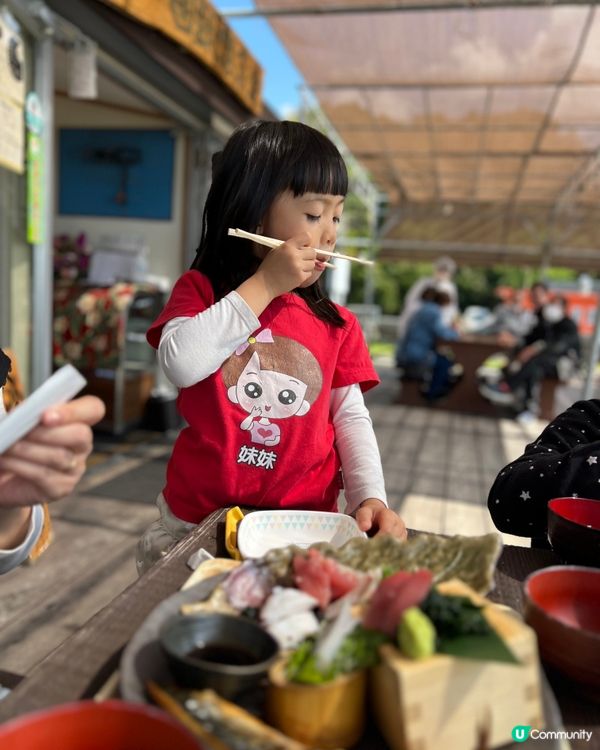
(376, 643)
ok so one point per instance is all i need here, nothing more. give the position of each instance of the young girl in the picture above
(270, 371)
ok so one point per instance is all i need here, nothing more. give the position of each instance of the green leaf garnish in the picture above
(358, 650)
(487, 647)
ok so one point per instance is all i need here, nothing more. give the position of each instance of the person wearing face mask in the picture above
(552, 343)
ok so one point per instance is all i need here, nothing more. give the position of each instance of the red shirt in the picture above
(260, 431)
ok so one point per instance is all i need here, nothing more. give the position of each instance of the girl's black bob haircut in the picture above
(261, 160)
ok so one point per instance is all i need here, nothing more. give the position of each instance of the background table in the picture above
(470, 351)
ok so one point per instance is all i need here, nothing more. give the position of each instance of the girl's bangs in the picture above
(319, 171)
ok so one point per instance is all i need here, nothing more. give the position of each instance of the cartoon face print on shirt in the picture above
(271, 378)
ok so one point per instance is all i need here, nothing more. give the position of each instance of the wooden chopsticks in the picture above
(271, 242)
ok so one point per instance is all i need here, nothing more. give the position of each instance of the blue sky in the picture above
(281, 77)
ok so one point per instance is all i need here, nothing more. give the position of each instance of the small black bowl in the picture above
(228, 654)
(574, 529)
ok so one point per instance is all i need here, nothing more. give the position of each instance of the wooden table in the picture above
(470, 351)
(82, 664)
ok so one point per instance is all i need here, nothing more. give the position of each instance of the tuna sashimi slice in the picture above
(323, 578)
(312, 577)
(342, 579)
(393, 596)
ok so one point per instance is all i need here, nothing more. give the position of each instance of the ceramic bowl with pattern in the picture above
(264, 530)
(574, 529)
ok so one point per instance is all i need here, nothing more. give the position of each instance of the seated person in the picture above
(511, 318)
(43, 466)
(563, 461)
(553, 342)
(418, 356)
(444, 269)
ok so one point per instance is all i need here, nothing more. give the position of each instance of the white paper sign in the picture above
(12, 64)
(12, 131)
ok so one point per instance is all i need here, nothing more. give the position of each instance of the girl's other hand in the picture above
(288, 266)
(375, 518)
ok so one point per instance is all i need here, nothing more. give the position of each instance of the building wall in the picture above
(164, 238)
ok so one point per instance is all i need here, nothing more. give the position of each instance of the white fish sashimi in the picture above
(248, 586)
(291, 631)
(284, 602)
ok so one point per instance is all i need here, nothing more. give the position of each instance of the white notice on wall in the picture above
(12, 62)
(12, 141)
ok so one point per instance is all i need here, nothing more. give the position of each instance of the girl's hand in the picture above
(286, 267)
(376, 518)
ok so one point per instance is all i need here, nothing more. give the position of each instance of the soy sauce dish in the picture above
(225, 653)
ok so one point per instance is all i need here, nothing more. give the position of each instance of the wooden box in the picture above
(127, 410)
(446, 703)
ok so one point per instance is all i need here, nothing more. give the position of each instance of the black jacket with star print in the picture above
(563, 461)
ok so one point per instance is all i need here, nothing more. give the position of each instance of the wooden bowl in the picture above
(574, 529)
(562, 604)
(331, 715)
(87, 725)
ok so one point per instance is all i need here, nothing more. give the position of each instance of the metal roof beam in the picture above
(395, 216)
(462, 84)
(488, 154)
(395, 6)
(526, 252)
(588, 170)
(460, 127)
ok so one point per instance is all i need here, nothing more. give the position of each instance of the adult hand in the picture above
(374, 517)
(526, 354)
(48, 462)
(507, 339)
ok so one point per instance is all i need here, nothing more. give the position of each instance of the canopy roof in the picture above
(480, 124)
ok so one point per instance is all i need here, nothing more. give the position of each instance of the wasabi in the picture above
(416, 634)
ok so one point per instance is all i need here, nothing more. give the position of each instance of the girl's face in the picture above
(315, 213)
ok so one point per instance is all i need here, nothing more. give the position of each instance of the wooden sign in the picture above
(198, 27)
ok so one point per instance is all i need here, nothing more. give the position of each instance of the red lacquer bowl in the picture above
(574, 529)
(562, 605)
(87, 725)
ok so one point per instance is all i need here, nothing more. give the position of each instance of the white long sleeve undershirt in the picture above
(191, 349)
(11, 558)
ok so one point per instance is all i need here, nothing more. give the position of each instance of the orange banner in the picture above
(198, 27)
